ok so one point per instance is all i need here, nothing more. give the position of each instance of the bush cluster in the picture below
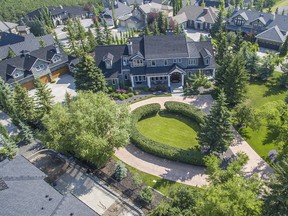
(185, 109)
(150, 146)
(120, 171)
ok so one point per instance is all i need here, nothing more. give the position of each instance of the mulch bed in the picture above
(128, 187)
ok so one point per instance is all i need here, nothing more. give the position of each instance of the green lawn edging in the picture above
(193, 156)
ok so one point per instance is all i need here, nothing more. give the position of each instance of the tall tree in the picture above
(216, 132)
(235, 80)
(7, 98)
(147, 30)
(71, 34)
(224, 64)
(44, 98)
(276, 200)
(89, 77)
(25, 132)
(155, 27)
(81, 35)
(252, 64)
(92, 127)
(9, 146)
(238, 42)
(107, 34)
(218, 26)
(284, 48)
(91, 40)
(268, 66)
(100, 39)
(24, 105)
(161, 23)
(222, 47)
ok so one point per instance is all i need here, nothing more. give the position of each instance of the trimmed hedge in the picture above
(165, 151)
(186, 110)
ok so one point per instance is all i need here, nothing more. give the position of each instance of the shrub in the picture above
(137, 180)
(169, 152)
(121, 91)
(130, 94)
(120, 171)
(53, 81)
(121, 97)
(136, 92)
(146, 195)
(126, 96)
(208, 85)
(130, 89)
(111, 89)
(185, 109)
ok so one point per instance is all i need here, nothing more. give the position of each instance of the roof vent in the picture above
(261, 15)
(205, 10)
(50, 199)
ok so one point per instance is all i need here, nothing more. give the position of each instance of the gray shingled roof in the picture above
(28, 194)
(194, 12)
(119, 10)
(273, 33)
(6, 26)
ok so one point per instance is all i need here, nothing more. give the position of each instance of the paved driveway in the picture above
(195, 34)
(63, 84)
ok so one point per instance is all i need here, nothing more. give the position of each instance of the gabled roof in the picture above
(244, 15)
(119, 10)
(108, 56)
(194, 12)
(152, 7)
(204, 52)
(6, 26)
(261, 19)
(272, 34)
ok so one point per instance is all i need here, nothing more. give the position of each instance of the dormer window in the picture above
(207, 61)
(153, 63)
(179, 60)
(192, 62)
(108, 59)
(137, 62)
(165, 62)
(56, 59)
(40, 67)
(239, 21)
(108, 64)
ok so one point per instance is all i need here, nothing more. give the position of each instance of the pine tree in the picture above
(222, 70)
(160, 23)
(166, 24)
(238, 42)
(284, 48)
(24, 105)
(46, 17)
(178, 29)
(91, 40)
(113, 15)
(11, 54)
(42, 42)
(156, 30)
(218, 26)
(68, 98)
(147, 30)
(81, 35)
(26, 133)
(57, 41)
(44, 99)
(252, 64)
(222, 47)
(216, 132)
(99, 34)
(203, 4)
(9, 147)
(107, 34)
(89, 77)
(7, 98)
(71, 34)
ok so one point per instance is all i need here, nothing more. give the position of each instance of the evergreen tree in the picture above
(216, 132)
(26, 133)
(268, 66)
(71, 34)
(9, 147)
(222, 47)
(276, 200)
(222, 70)
(24, 105)
(235, 80)
(156, 30)
(44, 98)
(37, 27)
(81, 35)
(238, 42)
(99, 34)
(42, 42)
(57, 41)
(91, 40)
(89, 77)
(252, 64)
(113, 15)
(284, 48)
(161, 23)
(107, 34)
(45, 16)
(7, 98)
(11, 54)
(178, 29)
(147, 30)
(203, 4)
(218, 26)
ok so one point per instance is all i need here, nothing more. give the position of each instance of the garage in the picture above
(59, 72)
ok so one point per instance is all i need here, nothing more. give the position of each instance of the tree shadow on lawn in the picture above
(272, 134)
(244, 133)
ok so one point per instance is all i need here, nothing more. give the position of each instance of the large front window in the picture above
(239, 21)
(40, 67)
(192, 62)
(137, 62)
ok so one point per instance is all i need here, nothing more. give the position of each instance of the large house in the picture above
(45, 63)
(23, 191)
(151, 61)
(270, 30)
(8, 27)
(60, 14)
(196, 17)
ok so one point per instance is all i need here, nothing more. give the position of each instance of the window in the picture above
(239, 21)
(113, 81)
(144, 78)
(153, 63)
(174, 60)
(257, 24)
(56, 59)
(137, 62)
(192, 61)
(126, 77)
(165, 62)
(17, 74)
(207, 61)
(40, 67)
(124, 62)
(140, 78)
(179, 60)
(136, 78)
(152, 78)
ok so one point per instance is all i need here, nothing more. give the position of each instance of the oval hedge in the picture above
(159, 149)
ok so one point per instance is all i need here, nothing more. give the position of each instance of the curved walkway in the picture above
(185, 173)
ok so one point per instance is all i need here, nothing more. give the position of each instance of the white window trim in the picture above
(179, 60)
(153, 65)
(113, 82)
(174, 60)
(166, 62)
(40, 67)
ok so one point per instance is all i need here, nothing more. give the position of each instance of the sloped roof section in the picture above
(272, 34)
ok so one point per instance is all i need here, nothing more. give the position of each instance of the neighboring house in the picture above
(23, 30)
(151, 61)
(44, 63)
(270, 30)
(153, 7)
(16, 43)
(8, 27)
(214, 4)
(60, 14)
(132, 2)
(196, 17)
(23, 191)
(120, 10)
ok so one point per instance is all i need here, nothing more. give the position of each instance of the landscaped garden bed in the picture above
(171, 150)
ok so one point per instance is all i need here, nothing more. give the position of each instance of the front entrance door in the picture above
(175, 77)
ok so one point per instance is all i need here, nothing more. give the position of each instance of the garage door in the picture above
(45, 79)
(29, 85)
(59, 72)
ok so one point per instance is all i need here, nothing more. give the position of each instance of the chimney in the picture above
(130, 48)
(61, 7)
(56, 46)
(273, 16)
(205, 10)
(24, 53)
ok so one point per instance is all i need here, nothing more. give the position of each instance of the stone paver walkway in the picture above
(184, 173)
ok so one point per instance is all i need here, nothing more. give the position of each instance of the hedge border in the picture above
(159, 149)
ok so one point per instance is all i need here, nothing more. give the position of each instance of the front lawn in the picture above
(279, 3)
(259, 94)
(170, 129)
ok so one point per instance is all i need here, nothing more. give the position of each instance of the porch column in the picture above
(149, 81)
(182, 79)
(168, 80)
(214, 73)
(132, 81)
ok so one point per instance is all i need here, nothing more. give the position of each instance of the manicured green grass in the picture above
(170, 129)
(280, 3)
(259, 94)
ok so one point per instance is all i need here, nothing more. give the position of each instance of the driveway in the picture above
(63, 84)
(195, 34)
(184, 173)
